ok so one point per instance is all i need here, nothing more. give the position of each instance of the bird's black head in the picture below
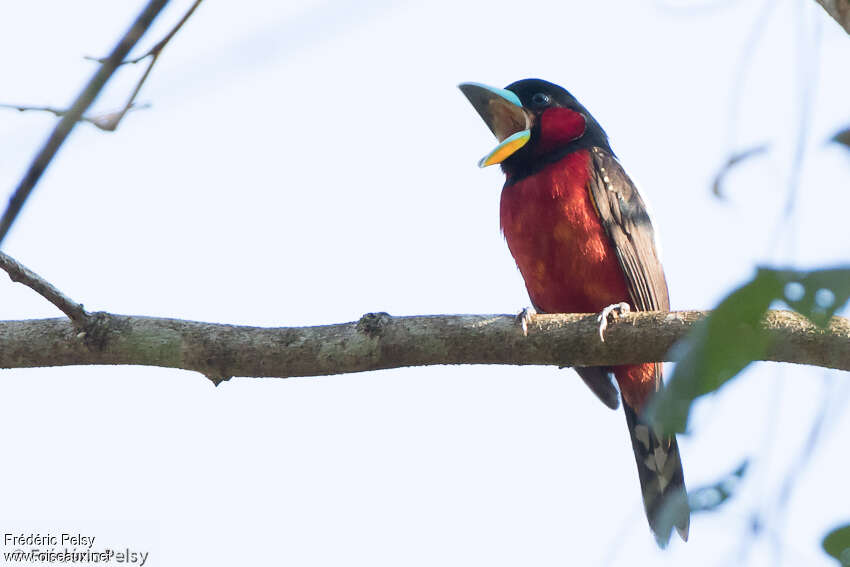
(536, 122)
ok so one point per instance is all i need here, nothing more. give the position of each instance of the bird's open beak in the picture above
(503, 113)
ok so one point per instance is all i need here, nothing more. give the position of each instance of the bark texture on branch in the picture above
(379, 341)
(839, 10)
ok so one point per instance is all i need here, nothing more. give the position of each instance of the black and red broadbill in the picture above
(582, 239)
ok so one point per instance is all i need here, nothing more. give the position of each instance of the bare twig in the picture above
(160, 45)
(105, 121)
(153, 53)
(731, 162)
(21, 274)
(379, 341)
(77, 110)
(109, 121)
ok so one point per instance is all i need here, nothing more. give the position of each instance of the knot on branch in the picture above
(373, 325)
(96, 329)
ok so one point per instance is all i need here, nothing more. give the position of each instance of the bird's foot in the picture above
(525, 317)
(614, 311)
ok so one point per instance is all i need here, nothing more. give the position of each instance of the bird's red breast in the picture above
(565, 256)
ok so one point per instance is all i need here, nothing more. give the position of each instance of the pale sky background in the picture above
(307, 162)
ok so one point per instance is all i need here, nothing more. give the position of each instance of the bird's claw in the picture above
(524, 318)
(614, 311)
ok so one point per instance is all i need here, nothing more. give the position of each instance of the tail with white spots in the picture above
(661, 479)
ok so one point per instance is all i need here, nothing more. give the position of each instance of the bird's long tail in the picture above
(662, 482)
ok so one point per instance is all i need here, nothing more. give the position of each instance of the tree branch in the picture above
(107, 121)
(23, 275)
(114, 118)
(379, 341)
(73, 115)
(839, 10)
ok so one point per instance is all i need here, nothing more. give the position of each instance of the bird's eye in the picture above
(540, 100)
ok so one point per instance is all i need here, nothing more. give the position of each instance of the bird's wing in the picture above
(624, 216)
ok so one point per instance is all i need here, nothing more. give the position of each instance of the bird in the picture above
(582, 238)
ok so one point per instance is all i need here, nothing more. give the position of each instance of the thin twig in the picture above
(21, 274)
(732, 161)
(81, 104)
(156, 49)
(154, 53)
(105, 121)
(109, 121)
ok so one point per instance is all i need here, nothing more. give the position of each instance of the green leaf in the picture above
(716, 350)
(837, 544)
(731, 337)
(823, 292)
